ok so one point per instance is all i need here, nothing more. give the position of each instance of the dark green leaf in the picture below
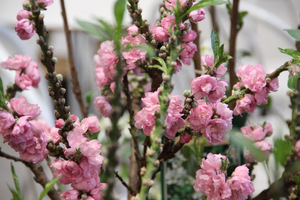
(88, 97)
(119, 10)
(48, 187)
(215, 43)
(107, 27)
(295, 33)
(282, 150)
(15, 178)
(14, 193)
(292, 82)
(1, 89)
(95, 30)
(242, 142)
(205, 3)
(241, 18)
(291, 52)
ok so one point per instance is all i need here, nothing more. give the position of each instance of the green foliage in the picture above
(102, 31)
(282, 150)
(292, 82)
(241, 16)
(205, 3)
(17, 193)
(119, 10)
(295, 33)
(88, 97)
(2, 98)
(291, 52)
(48, 187)
(218, 50)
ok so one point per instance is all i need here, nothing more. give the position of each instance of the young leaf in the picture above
(1, 88)
(292, 82)
(119, 11)
(241, 18)
(205, 3)
(88, 97)
(282, 150)
(215, 43)
(95, 30)
(291, 52)
(295, 33)
(48, 187)
(17, 194)
(161, 61)
(14, 193)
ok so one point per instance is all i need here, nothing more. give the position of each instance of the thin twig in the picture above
(37, 170)
(215, 25)
(74, 75)
(125, 184)
(197, 55)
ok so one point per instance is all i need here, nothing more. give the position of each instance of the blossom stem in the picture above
(74, 74)
(11, 91)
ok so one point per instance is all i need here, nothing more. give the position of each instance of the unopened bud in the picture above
(142, 171)
(150, 152)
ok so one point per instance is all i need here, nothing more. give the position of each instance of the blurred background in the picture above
(257, 43)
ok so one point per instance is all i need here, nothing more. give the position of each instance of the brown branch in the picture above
(234, 29)
(274, 191)
(125, 184)
(197, 56)
(37, 170)
(74, 75)
(215, 25)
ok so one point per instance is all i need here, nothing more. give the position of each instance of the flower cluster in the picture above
(20, 133)
(258, 133)
(27, 72)
(255, 79)
(211, 180)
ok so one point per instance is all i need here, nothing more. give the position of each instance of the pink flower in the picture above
(69, 171)
(6, 121)
(91, 123)
(70, 195)
(160, 33)
(45, 2)
(189, 36)
(219, 91)
(268, 129)
(247, 103)
(252, 77)
(87, 184)
(103, 106)
(134, 40)
(208, 61)
(188, 52)
(202, 86)
(59, 123)
(264, 146)
(174, 120)
(30, 77)
(214, 131)
(51, 133)
(107, 59)
(24, 29)
(273, 85)
(100, 77)
(132, 30)
(17, 62)
(20, 106)
(96, 192)
(23, 14)
(224, 113)
(172, 3)
(197, 15)
(145, 119)
(297, 148)
(253, 132)
(240, 184)
(200, 116)
(132, 56)
(261, 97)
(151, 99)
(185, 138)
(168, 22)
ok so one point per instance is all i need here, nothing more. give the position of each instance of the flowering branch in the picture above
(75, 81)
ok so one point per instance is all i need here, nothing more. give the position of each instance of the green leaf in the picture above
(215, 43)
(14, 193)
(119, 10)
(242, 142)
(282, 150)
(241, 18)
(15, 178)
(88, 97)
(292, 82)
(158, 67)
(291, 52)
(161, 61)
(1, 89)
(107, 27)
(48, 187)
(295, 33)
(205, 3)
(95, 30)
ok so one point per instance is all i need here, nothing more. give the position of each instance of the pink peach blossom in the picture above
(253, 132)
(297, 148)
(160, 33)
(214, 131)
(200, 116)
(17, 62)
(20, 106)
(50, 132)
(264, 146)
(103, 106)
(203, 85)
(261, 97)
(91, 123)
(45, 2)
(219, 91)
(24, 29)
(185, 138)
(188, 52)
(100, 77)
(189, 36)
(197, 15)
(168, 22)
(23, 14)
(6, 121)
(172, 3)
(247, 103)
(70, 195)
(132, 30)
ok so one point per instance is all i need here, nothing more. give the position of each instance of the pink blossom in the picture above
(297, 148)
(69, 171)
(202, 86)
(103, 106)
(24, 29)
(261, 97)
(174, 121)
(70, 195)
(273, 85)
(45, 2)
(151, 99)
(188, 52)
(107, 59)
(73, 117)
(87, 184)
(214, 131)
(96, 192)
(134, 55)
(132, 30)
(224, 113)
(247, 103)
(200, 116)
(91, 123)
(50, 132)
(219, 91)
(145, 119)
(268, 129)
(20, 106)
(189, 36)
(23, 14)
(252, 77)
(185, 138)
(264, 146)
(91, 150)
(172, 3)
(178, 66)
(100, 77)
(6, 121)
(240, 184)
(30, 77)
(197, 15)
(134, 40)
(160, 33)
(253, 132)
(17, 62)
(168, 22)
(59, 123)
